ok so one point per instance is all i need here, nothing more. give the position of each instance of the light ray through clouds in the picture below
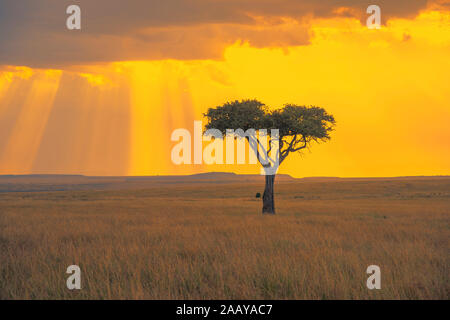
(388, 89)
(25, 137)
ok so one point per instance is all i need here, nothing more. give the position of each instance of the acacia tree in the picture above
(298, 127)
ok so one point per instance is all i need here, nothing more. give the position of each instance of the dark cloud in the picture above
(33, 32)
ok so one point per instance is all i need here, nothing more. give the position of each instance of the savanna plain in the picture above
(203, 237)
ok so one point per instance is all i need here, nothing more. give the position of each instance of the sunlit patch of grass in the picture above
(195, 242)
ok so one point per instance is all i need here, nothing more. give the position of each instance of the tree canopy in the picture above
(298, 126)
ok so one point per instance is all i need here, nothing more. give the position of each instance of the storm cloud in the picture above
(34, 33)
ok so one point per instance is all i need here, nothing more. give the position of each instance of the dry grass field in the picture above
(208, 240)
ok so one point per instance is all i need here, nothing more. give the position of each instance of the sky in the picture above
(104, 100)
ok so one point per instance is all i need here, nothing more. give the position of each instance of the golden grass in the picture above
(209, 241)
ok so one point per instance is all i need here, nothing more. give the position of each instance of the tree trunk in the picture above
(268, 201)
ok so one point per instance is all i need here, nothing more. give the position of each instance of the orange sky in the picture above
(388, 89)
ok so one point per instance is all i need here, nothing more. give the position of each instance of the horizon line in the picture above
(214, 172)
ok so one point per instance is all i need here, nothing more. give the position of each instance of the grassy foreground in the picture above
(209, 241)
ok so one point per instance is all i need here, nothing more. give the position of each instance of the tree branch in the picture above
(292, 146)
(256, 150)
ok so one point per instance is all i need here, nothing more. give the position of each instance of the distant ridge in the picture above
(56, 182)
(203, 175)
(50, 175)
